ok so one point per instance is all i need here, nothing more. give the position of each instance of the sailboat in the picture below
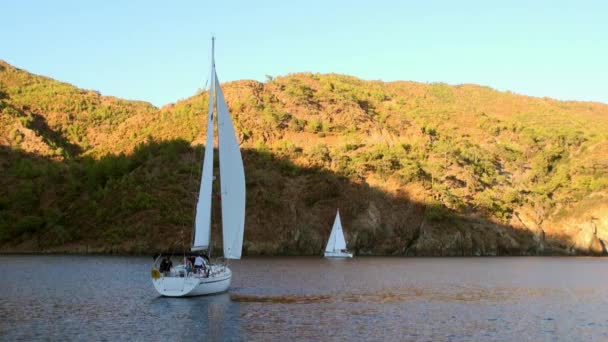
(214, 276)
(336, 245)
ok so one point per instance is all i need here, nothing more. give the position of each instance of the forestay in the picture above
(202, 221)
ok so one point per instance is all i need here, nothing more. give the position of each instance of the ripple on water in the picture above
(493, 299)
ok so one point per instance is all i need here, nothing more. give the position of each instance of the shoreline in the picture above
(2, 253)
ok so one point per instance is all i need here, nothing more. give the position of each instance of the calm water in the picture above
(310, 299)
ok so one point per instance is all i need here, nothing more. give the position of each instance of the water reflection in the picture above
(214, 317)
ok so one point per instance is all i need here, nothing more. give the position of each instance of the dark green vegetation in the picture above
(416, 169)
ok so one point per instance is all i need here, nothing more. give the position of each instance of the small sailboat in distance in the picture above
(204, 276)
(336, 245)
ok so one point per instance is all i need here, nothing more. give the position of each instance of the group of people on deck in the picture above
(198, 265)
(193, 264)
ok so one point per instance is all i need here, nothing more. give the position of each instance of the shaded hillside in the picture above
(417, 169)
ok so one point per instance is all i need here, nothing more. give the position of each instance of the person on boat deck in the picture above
(188, 264)
(199, 264)
(165, 265)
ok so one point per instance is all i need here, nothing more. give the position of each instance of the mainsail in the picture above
(232, 179)
(202, 221)
(336, 238)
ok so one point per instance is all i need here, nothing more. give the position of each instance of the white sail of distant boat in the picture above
(204, 276)
(336, 245)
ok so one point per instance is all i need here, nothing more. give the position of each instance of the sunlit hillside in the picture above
(416, 169)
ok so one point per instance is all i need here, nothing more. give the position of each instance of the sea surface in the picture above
(105, 298)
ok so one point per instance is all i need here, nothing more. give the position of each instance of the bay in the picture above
(310, 299)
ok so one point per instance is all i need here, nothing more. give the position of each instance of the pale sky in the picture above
(159, 51)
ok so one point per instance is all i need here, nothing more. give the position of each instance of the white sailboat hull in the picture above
(175, 285)
(338, 254)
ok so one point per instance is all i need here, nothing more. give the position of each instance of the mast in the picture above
(213, 177)
(202, 221)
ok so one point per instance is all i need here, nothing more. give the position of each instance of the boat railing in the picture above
(221, 261)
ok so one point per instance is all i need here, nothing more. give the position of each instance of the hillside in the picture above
(416, 169)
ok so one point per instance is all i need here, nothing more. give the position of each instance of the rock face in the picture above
(475, 238)
(581, 230)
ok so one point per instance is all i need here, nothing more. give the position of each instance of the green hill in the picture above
(416, 169)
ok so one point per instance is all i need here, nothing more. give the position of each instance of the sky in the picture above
(159, 51)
